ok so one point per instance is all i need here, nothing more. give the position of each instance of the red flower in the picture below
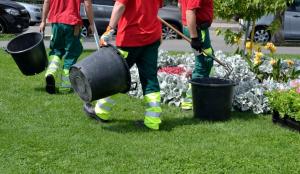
(172, 70)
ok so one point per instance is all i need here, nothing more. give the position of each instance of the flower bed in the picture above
(286, 105)
(249, 95)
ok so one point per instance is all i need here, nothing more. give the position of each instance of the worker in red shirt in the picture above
(139, 34)
(197, 16)
(66, 23)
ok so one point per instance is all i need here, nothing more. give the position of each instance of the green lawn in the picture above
(42, 133)
(287, 56)
(6, 37)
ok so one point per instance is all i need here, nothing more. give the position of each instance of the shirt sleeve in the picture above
(193, 4)
(161, 3)
(123, 1)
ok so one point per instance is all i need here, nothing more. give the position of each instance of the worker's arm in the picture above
(196, 42)
(117, 12)
(191, 23)
(46, 7)
(89, 13)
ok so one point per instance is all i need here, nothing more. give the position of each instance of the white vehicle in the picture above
(291, 28)
(35, 12)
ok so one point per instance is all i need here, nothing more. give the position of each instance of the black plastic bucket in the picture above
(28, 51)
(212, 98)
(101, 74)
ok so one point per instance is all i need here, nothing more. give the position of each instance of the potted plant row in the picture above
(286, 105)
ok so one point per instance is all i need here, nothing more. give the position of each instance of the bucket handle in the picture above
(227, 67)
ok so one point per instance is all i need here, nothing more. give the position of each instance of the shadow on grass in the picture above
(168, 124)
(125, 126)
(243, 116)
(43, 90)
(40, 89)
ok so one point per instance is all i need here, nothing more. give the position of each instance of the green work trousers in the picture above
(65, 44)
(145, 57)
(203, 63)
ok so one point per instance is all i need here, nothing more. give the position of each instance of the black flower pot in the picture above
(286, 121)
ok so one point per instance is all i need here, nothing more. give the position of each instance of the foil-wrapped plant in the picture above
(173, 75)
(249, 95)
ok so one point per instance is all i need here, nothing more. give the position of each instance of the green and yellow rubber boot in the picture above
(104, 107)
(51, 73)
(152, 115)
(187, 103)
(65, 86)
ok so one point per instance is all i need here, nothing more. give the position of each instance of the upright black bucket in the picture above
(212, 98)
(28, 51)
(100, 75)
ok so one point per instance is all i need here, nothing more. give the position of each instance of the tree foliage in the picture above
(249, 10)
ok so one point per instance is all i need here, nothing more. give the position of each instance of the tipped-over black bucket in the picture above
(212, 98)
(28, 51)
(100, 75)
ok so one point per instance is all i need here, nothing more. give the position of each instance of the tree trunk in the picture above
(246, 37)
(278, 36)
(252, 34)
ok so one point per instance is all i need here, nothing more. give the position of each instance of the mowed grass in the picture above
(42, 133)
(287, 56)
(6, 37)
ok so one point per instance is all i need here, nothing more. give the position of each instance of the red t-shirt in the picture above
(204, 10)
(65, 11)
(139, 25)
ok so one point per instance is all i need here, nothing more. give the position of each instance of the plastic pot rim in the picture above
(22, 51)
(231, 82)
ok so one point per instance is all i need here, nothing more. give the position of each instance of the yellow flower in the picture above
(257, 57)
(248, 45)
(273, 62)
(237, 40)
(257, 47)
(290, 62)
(273, 49)
(259, 54)
(270, 46)
(257, 61)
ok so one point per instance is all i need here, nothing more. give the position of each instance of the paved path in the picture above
(177, 45)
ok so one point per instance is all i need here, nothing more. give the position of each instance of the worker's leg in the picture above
(203, 65)
(147, 66)
(73, 49)
(55, 54)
